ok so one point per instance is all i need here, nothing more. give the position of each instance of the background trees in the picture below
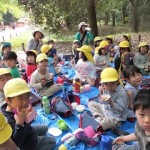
(57, 14)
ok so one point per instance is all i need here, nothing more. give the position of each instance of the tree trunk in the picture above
(135, 15)
(113, 19)
(92, 16)
(123, 10)
(106, 18)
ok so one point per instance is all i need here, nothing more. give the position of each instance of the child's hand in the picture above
(51, 76)
(43, 82)
(101, 89)
(20, 116)
(119, 140)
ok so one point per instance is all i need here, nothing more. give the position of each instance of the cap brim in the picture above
(5, 134)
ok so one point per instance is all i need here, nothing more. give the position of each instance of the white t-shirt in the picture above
(85, 69)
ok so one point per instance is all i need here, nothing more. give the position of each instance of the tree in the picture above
(92, 16)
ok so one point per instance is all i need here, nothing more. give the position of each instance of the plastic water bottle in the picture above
(46, 105)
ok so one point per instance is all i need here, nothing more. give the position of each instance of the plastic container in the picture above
(46, 105)
(106, 143)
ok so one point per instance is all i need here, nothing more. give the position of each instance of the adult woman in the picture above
(36, 42)
(84, 35)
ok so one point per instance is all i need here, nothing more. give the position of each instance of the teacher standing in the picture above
(84, 35)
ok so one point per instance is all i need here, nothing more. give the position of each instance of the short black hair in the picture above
(84, 58)
(130, 71)
(50, 41)
(100, 51)
(10, 55)
(142, 100)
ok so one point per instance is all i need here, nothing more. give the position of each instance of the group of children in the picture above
(126, 100)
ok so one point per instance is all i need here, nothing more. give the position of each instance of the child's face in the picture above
(143, 50)
(110, 86)
(21, 101)
(31, 59)
(38, 35)
(75, 45)
(6, 49)
(143, 118)
(43, 64)
(123, 50)
(10, 63)
(3, 79)
(104, 52)
(135, 79)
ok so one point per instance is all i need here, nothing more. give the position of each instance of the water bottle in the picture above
(46, 105)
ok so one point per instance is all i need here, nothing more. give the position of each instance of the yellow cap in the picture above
(109, 75)
(4, 71)
(41, 57)
(124, 44)
(102, 44)
(97, 39)
(34, 51)
(109, 37)
(62, 147)
(128, 36)
(143, 44)
(15, 87)
(45, 48)
(5, 129)
(87, 50)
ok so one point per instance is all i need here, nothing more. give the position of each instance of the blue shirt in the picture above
(51, 66)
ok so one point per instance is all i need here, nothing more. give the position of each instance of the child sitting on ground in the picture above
(6, 142)
(46, 49)
(85, 68)
(5, 75)
(10, 59)
(133, 77)
(101, 56)
(41, 80)
(109, 115)
(16, 111)
(31, 63)
(141, 58)
(75, 45)
(53, 49)
(142, 129)
(6, 47)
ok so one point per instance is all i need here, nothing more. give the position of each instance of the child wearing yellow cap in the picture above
(5, 75)
(16, 110)
(6, 142)
(85, 69)
(141, 59)
(10, 59)
(41, 77)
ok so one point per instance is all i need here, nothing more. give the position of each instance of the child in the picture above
(46, 49)
(53, 49)
(6, 142)
(85, 68)
(109, 115)
(75, 45)
(97, 41)
(4, 77)
(31, 63)
(142, 129)
(101, 57)
(6, 46)
(16, 110)
(10, 59)
(127, 37)
(141, 58)
(122, 59)
(133, 77)
(41, 77)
